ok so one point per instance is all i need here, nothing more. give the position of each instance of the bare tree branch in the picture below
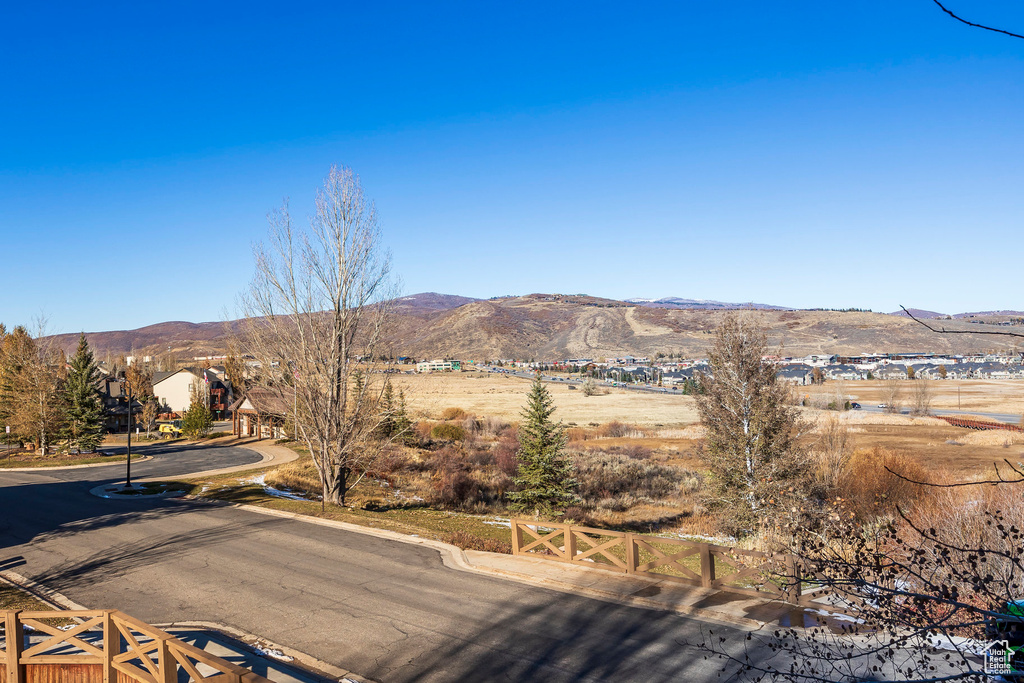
(943, 330)
(971, 23)
(999, 474)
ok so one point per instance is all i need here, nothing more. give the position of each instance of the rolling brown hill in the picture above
(545, 326)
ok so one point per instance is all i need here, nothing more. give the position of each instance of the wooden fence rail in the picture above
(747, 572)
(105, 646)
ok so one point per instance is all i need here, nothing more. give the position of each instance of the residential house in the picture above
(843, 372)
(799, 374)
(891, 371)
(115, 406)
(174, 390)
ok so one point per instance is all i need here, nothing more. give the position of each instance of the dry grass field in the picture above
(986, 396)
(670, 421)
(497, 395)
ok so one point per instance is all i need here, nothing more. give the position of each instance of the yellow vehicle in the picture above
(170, 429)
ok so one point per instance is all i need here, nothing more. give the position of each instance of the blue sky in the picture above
(805, 154)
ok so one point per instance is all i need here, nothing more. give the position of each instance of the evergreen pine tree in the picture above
(544, 479)
(83, 427)
(197, 420)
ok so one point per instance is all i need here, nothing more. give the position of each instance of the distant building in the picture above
(439, 366)
(799, 374)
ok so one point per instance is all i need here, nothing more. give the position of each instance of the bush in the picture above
(451, 483)
(577, 434)
(389, 464)
(604, 477)
(506, 457)
(448, 432)
(616, 430)
(873, 485)
(472, 425)
(494, 426)
(453, 414)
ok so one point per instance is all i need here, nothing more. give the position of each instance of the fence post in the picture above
(111, 646)
(15, 636)
(631, 563)
(707, 566)
(517, 537)
(167, 664)
(793, 579)
(570, 543)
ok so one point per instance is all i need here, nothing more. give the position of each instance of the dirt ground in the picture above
(483, 394)
(987, 396)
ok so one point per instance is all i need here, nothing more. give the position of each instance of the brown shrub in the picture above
(453, 414)
(506, 453)
(636, 451)
(448, 432)
(467, 541)
(422, 430)
(494, 426)
(577, 433)
(873, 486)
(390, 463)
(617, 482)
(616, 430)
(472, 425)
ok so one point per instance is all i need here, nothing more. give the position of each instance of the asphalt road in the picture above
(387, 610)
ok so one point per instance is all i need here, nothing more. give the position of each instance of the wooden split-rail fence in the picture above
(704, 565)
(108, 646)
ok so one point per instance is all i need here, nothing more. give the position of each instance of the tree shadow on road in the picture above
(554, 636)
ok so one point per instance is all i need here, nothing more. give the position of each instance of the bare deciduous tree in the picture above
(757, 468)
(921, 397)
(892, 392)
(316, 316)
(832, 453)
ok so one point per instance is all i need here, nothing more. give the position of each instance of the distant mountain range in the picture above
(932, 315)
(552, 326)
(702, 304)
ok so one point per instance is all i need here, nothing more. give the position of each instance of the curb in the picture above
(72, 467)
(454, 557)
(267, 459)
(303, 661)
(39, 591)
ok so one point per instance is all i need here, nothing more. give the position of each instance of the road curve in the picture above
(388, 610)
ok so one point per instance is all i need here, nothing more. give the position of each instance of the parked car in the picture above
(855, 406)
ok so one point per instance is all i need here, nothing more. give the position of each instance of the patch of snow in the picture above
(837, 616)
(278, 493)
(957, 644)
(261, 480)
(275, 654)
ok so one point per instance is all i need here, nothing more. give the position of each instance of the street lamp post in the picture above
(127, 386)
